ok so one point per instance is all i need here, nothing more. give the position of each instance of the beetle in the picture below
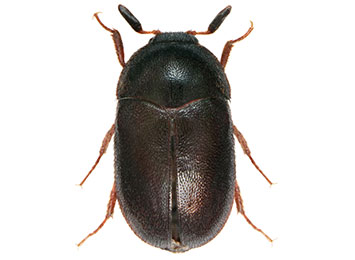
(174, 139)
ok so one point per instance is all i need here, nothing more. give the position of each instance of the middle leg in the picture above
(246, 150)
(103, 149)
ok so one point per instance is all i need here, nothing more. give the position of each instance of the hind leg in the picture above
(240, 208)
(110, 209)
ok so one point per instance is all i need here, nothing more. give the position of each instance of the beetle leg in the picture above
(229, 45)
(246, 150)
(116, 36)
(109, 213)
(103, 149)
(240, 208)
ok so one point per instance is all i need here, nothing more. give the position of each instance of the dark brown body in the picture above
(174, 147)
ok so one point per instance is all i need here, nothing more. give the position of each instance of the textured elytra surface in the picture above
(205, 163)
(202, 161)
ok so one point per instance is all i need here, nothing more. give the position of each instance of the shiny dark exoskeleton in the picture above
(173, 139)
(174, 144)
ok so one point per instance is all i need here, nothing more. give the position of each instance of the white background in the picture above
(292, 85)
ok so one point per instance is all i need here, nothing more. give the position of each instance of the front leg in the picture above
(229, 45)
(116, 36)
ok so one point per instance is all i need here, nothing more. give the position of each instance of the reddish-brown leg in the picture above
(103, 149)
(229, 45)
(240, 208)
(246, 150)
(110, 209)
(116, 36)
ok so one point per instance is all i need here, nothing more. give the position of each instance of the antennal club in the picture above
(216, 23)
(133, 21)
